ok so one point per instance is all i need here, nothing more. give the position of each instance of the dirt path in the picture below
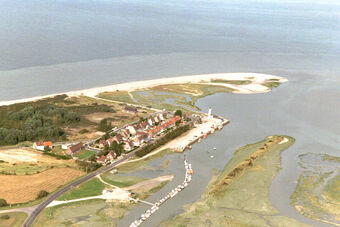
(150, 182)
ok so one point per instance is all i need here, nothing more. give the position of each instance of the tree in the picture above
(104, 125)
(178, 113)
(3, 203)
(46, 149)
(92, 158)
(42, 194)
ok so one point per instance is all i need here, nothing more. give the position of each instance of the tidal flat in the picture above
(238, 196)
(317, 194)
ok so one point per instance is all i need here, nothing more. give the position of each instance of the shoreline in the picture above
(255, 87)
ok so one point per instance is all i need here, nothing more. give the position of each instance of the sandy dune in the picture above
(254, 87)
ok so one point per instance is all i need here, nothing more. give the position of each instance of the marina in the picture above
(171, 194)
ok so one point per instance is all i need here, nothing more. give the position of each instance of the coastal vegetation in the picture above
(317, 194)
(60, 118)
(163, 140)
(12, 219)
(238, 196)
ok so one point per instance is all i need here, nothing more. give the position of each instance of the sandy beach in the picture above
(254, 87)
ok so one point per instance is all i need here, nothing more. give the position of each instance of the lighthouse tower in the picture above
(209, 113)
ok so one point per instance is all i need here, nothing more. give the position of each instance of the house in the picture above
(109, 141)
(74, 148)
(111, 155)
(128, 146)
(131, 129)
(144, 125)
(136, 142)
(118, 138)
(160, 115)
(41, 145)
(102, 143)
(155, 131)
(101, 159)
(137, 127)
(65, 146)
(151, 121)
(130, 109)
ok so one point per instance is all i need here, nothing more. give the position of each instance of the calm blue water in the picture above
(55, 46)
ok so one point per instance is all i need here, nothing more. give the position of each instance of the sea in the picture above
(53, 46)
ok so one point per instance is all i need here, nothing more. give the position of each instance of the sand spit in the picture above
(255, 86)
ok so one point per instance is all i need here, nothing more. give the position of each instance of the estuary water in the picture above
(57, 46)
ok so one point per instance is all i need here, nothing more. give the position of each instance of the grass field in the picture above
(121, 181)
(317, 194)
(92, 213)
(16, 219)
(141, 164)
(84, 154)
(90, 188)
(238, 196)
(22, 189)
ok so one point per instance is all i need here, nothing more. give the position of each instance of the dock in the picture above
(170, 195)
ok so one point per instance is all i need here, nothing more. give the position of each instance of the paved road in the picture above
(30, 219)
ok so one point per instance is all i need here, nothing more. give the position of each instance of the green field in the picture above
(16, 219)
(238, 196)
(317, 194)
(91, 213)
(121, 181)
(90, 188)
(84, 154)
(142, 163)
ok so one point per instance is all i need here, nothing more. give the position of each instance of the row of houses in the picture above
(134, 135)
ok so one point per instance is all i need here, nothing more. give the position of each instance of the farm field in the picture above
(16, 219)
(25, 188)
(28, 161)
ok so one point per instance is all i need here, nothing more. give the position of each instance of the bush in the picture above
(3, 203)
(5, 217)
(83, 131)
(42, 194)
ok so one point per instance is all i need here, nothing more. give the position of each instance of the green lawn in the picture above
(84, 154)
(16, 219)
(90, 188)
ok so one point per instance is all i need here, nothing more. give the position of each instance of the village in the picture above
(120, 141)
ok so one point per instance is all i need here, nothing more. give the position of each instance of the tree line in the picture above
(169, 136)
(30, 123)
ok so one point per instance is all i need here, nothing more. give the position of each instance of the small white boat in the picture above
(211, 156)
(214, 148)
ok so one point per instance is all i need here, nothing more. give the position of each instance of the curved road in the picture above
(30, 219)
